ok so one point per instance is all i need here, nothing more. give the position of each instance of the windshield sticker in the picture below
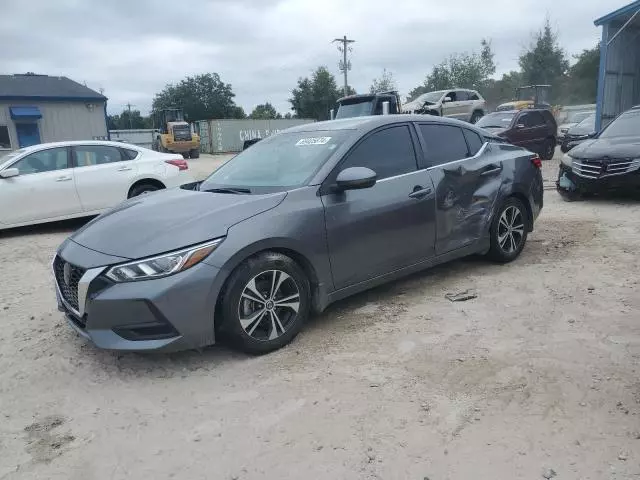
(313, 141)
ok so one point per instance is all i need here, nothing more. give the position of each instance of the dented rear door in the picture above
(467, 180)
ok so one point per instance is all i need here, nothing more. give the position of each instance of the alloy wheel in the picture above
(510, 229)
(268, 305)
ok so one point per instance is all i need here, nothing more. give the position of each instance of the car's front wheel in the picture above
(509, 231)
(265, 303)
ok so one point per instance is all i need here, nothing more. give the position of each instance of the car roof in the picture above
(70, 143)
(371, 122)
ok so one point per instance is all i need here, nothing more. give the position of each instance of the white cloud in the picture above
(132, 48)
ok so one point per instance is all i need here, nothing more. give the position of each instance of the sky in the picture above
(133, 48)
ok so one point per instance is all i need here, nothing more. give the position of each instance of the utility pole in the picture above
(128, 105)
(345, 64)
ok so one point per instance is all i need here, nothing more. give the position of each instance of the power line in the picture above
(345, 64)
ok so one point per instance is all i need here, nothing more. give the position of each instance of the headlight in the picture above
(567, 160)
(162, 265)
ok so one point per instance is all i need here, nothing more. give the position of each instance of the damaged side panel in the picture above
(466, 193)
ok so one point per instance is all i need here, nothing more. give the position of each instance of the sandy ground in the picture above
(537, 376)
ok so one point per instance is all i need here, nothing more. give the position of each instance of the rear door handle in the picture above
(124, 169)
(491, 170)
(420, 192)
(63, 179)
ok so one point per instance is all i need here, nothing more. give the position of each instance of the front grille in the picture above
(67, 278)
(599, 168)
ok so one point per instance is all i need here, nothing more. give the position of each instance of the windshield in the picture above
(496, 120)
(431, 97)
(626, 125)
(587, 125)
(280, 162)
(359, 109)
(578, 117)
(8, 155)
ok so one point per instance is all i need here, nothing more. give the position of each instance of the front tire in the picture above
(194, 153)
(476, 116)
(509, 231)
(265, 303)
(142, 189)
(548, 149)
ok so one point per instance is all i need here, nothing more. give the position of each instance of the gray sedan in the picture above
(299, 220)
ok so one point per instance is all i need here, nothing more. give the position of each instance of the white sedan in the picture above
(58, 181)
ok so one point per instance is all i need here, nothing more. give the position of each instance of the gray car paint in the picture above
(346, 242)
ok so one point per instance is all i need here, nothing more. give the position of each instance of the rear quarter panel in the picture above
(520, 178)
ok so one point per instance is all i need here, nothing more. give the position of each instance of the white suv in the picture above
(460, 103)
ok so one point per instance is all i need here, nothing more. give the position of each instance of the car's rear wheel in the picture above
(548, 149)
(509, 231)
(476, 116)
(265, 303)
(142, 189)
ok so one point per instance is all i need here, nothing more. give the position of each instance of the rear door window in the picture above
(444, 143)
(474, 141)
(89, 155)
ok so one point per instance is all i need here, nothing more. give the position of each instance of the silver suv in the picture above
(460, 103)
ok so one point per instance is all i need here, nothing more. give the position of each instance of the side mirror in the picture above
(520, 125)
(446, 100)
(355, 178)
(9, 173)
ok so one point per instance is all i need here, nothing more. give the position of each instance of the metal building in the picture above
(619, 77)
(39, 108)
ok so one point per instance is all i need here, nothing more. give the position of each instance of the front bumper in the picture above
(571, 182)
(165, 314)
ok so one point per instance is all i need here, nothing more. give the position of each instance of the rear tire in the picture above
(548, 149)
(142, 189)
(194, 153)
(265, 303)
(509, 230)
(476, 116)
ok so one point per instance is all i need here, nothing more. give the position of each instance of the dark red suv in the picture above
(533, 129)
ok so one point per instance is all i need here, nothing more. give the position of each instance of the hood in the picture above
(495, 130)
(619, 147)
(168, 220)
(566, 126)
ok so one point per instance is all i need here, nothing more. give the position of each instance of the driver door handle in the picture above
(63, 179)
(420, 192)
(124, 169)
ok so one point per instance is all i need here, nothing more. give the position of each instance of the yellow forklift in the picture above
(529, 96)
(172, 133)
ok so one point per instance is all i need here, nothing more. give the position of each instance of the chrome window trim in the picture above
(478, 154)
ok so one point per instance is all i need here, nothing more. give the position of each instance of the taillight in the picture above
(181, 163)
(537, 161)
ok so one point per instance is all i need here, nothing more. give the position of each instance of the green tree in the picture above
(129, 120)
(545, 62)
(582, 82)
(464, 70)
(314, 97)
(383, 84)
(201, 97)
(503, 90)
(264, 111)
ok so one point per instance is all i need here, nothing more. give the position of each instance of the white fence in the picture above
(141, 137)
